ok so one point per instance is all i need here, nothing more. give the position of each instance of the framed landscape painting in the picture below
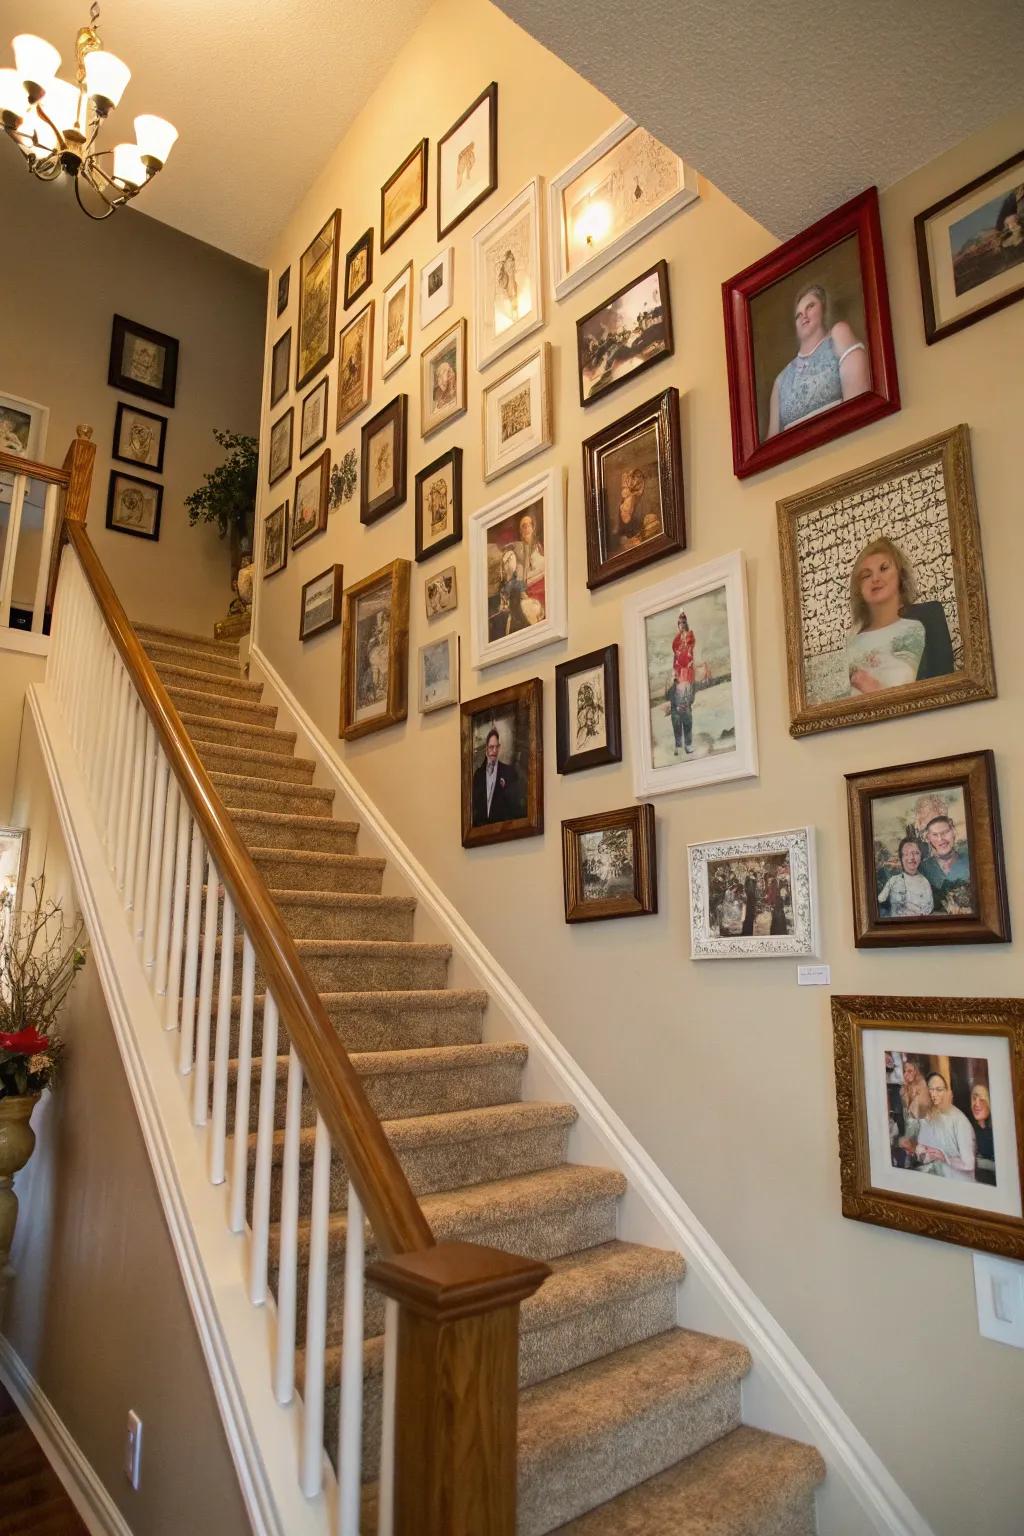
(375, 652)
(382, 481)
(320, 605)
(467, 161)
(609, 865)
(133, 505)
(503, 765)
(508, 289)
(403, 196)
(633, 490)
(625, 334)
(753, 897)
(318, 300)
(517, 594)
(355, 367)
(139, 437)
(970, 250)
(143, 361)
(439, 505)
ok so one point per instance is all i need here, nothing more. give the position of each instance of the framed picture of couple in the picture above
(753, 896)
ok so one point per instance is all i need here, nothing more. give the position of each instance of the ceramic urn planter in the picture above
(17, 1140)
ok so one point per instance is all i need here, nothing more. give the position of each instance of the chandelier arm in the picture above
(96, 217)
(61, 141)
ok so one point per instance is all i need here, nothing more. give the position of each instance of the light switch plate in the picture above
(999, 1287)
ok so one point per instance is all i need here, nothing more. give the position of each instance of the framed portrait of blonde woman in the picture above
(884, 590)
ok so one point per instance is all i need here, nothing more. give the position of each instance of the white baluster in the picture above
(188, 986)
(311, 1475)
(142, 831)
(43, 574)
(264, 1156)
(146, 927)
(171, 977)
(100, 743)
(218, 1137)
(166, 892)
(139, 750)
(288, 1256)
(243, 1090)
(11, 549)
(201, 1070)
(117, 766)
(115, 725)
(128, 761)
(386, 1476)
(350, 1428)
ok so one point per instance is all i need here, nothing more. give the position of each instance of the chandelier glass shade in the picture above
(56, 122)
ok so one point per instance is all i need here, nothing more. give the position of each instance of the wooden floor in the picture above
(32, 1501)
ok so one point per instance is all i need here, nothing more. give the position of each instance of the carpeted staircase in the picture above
(627, 1423)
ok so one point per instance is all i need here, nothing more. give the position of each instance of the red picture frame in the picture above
(858, 218)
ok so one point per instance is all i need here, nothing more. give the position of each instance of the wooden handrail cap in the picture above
(453, 1280)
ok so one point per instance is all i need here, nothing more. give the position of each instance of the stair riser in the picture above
(167, 656)
(573, 1341)
(252, 795)
(221, 759)
(201, 645)
(283, 874)
(239, 737)
(185, 700)
(372, 973)
(366, 1031)
(312, 920)
(199, 680)
(325, 837)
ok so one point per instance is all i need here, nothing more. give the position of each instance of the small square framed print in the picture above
(143, 361)
(439, 505)
(609, 865)
(133, 505)
(436, 287)
(588, 727)
(518, 416)
(438, 667)
(753, 897)
(313, 419)
(382, 482)
(359, 268)
(275, 540)
(441, 592)
(320, 606)
(443, 380)
(139, 437)
(311, 493)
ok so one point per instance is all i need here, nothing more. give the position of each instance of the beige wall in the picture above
(17, 672)
(64, 280)
(724, 1071)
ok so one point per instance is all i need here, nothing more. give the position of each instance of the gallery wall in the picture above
(722, 1070)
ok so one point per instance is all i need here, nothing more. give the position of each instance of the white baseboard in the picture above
(823, 1422)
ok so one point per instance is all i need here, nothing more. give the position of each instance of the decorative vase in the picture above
(17, 1141)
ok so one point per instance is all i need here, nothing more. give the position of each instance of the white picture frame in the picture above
(719, 754)
(785, 858)
(13, 867)
(499, 289)
(441, 691)
(567, 274)
(498, 629)
(522, 395)
(23, 426)
(396, 322)
(436, 286)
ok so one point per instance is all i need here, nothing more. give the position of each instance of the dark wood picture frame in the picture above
(860, 218)
(283, 345)
(282, 507)
(607, 658)
(395, 576)
(151, 485)
(158, 467)
(526, 697)
(932, 330)
(398, 411)
(330, 231)
(322, 384)
(284, 284)
(489, 93)
(662, 411)
(987, 1017)
(452, 456)
(642, 901)
(364, 243)
(423, 150)
(289, 416)
(322, 468)
(666, 350)
(335, 616)
(158, 394)
(975, 774)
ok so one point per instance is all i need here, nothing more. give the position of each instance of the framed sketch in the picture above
(355, 367)
(970, 250)
(375, 652)
(622, 188)
(926, 853)
(280, 367)
(688, 689)
(143, 362)
(359, 267)
(403, 196)
(753, 897)
(396, 332)
(441, 592)
(609, 865)
(382, 481)
(443, 380)
(133, 505)
(930, 1096)
(284, 283)
(467, 161)
(884, 590)
(808, 339)
(320, 606)
(318, 301)
(439, 505)
(588, 725)
(508, 288)
(279, 456)
(436, 286)
(312, 488)
(517, 597)
(275, 540)
(633, 490)
(625, 334)
(503, 765)
(518, 416)
(439, 673)
(313, 418)
(13, 865)
(139, 437)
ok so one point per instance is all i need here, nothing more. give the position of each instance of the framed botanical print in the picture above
(622, 188)
(970, 250)
(625, 334)
(382, 481)
(930, 1099)
(753, 897)
(633, 490)
(375, 652)
(275, 540)
(808, 339)
(518, 416)
(436, 286)
(143, 362)
(885, 606)
(688, 680)
(318, 301)
(517, 597)
(320, 605)
(443, 380)
(403, 196)
(609, 865)
(313, 419)
(355, 367)
(139, 437)
(503, 765)
(284, 283)
(588, 725)
(279, 456)
(508, 289)
(441, 592)
(438, 669)
(467, 161)
(133, 505)
(439, 505)
(926, 853)
(396, 332)
(280, 367)
(312, 488)
(359, 268)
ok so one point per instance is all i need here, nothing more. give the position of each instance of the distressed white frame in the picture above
(530, 196)
(798, 844)
(549, 487)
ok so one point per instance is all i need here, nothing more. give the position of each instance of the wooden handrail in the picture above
(33, 469)
(398, 1222)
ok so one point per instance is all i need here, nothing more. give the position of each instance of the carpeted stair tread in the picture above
(346, 915)
(414, 1064)
(295, 869)
(198, 643)
(199, 680)
(243, 792)
(175, 654)
(213, 730)
(251, 762)
(201, 701)
(284, 833)
(390, 1020)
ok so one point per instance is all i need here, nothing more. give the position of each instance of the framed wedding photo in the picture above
(808, 339)
(633, 490)
(753, 897)
(382, 480)
(280, 367)
(436, 286)
(403, 196)
(930, 1100)
(503, 765)
(926, 853)
(884, 588)
(625, 334)
(134, 505)
(443, 380)
(284, 284)
(508, 287)
(438, 669)
(313, 419)
(609, 865)
(318, 301)
(518, 414)
(355, 367)
(312, 488)
(467, 161)
(396, 334)
(375, 652)
(439, 505)
(139, 437)
(588, 724)
(970, 250)
(143, 362)
(517, 594)
(320, 605)
(279, 455)
(275, 540)
(359, 268)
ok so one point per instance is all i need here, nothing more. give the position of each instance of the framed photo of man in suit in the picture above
(503, 765)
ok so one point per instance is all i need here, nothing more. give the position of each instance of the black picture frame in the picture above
(398, 411)
(607, 658)
(666, 349)
(304, 447)
(280, 370)
(151, 485)
(603, 563)
(122, 406)
(364, 243)
(933, 329)
(337, 574)
(159, 394)
(490, 93)
(452, 456)
(284, 284)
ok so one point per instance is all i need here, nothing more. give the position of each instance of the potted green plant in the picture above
(227, 496)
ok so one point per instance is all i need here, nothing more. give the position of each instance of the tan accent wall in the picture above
(17, 672)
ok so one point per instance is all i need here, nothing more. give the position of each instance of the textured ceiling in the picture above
(792, 106)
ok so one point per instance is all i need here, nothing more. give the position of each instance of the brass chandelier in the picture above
(55, 123)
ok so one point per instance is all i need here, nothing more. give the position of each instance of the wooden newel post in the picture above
(78, 466)
(457, 1389)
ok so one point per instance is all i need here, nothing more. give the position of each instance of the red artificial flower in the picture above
(28, 1042)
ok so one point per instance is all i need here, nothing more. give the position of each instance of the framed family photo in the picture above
(467, 161)
(139, 437)
(436, 286)
(318, 301)
(443, 380)
(143, 362)
(808, 339)
(403, 196)
(508, 289)
(970, 250)
(279, 455)
(355, 367)
(313, 418)
(396, 333)
(275, 540)
(359, 268)
(438, 669)
(312, 488)
(588, 724)
(625, 334)
(753, 897)
(320, 605)
(930, 1099)
(133, 505)
(518, 414)
(284, 284)
(439, 505)
(609, 865)
(280, 367)
(375, 652)
(884, 588)
(382, 480)
(441, 592)
(633, 490)
(503, 765)
(926, 853)
(517, 591)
